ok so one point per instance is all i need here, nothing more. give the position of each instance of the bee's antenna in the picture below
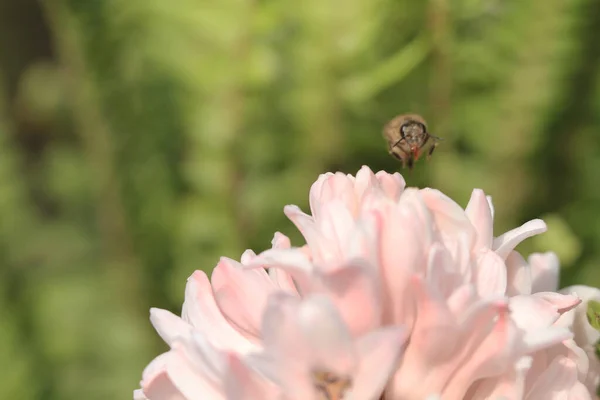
(398, 142)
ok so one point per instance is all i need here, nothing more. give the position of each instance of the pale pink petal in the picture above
(201, 311)
(207, 359)
(241, 294)
(545, 270)
(168, 325)
(161, 388)
(433, 326)
(280, 241)
(286, 353)
(171, 376)
(557, 382)
(462, 298)
(278, 277)
(491, 274)
(306, 225)
(156, 384)
(392, 184)
(490, 357)
(283, 280)
(508, 386)
(378, 352)
(449, 217)
(247, 256)
(540, 310)
(315, 197)
(355, 291)
(309, 330)
(188, 380)
(518, 275)
(442, 273)
(300, 336)
(336, 187)
(362, 243)
(293, 261)
(433, 343)
(326, 334)
(541, 339)
(491, 204)
(562, 302)
(479, 213)
(336, 225)
(138, 394)
(405, 239)
(507, 242)
(579, 357)
(365, 181)
(241, 383)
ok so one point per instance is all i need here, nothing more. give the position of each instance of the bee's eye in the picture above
(424, 128)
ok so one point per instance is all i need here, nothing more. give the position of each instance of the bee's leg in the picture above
(411, 162)
(397, 156)
(431, 150)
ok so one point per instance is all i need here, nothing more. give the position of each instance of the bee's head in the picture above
(414, 133)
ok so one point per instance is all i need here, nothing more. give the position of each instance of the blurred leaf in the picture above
(593, 314)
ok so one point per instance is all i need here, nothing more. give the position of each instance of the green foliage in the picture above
(141, 140)
(593, 314)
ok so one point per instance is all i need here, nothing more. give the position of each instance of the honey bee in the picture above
(407, 136)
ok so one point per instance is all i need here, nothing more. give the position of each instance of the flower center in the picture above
(330, 386)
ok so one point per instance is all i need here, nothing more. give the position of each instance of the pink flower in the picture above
(398, 292)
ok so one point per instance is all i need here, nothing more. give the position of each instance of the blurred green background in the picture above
(142, 139)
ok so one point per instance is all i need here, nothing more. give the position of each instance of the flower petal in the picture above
(491, 274)
(480, 214)
(156, 384)
(355, 291)
(545, 270)
(392, 184)
(293, 261)
(507, 242)
(378, 352)
(241, 294)
(241, 383)
(168, 325)
(557, 382)
(448, 217)
(518, 275)
(201, 311)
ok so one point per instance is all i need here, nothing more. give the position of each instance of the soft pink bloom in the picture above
(382, 263)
